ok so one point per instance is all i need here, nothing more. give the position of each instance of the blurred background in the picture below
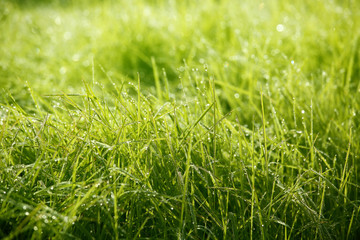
(291, 49)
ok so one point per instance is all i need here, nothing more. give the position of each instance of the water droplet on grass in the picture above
(57, 20)
(76, 57)
(280, 28)
(67, 35)
(62, 70)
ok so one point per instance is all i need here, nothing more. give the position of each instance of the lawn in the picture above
(167, 119)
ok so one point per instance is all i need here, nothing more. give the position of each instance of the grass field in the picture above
(179, 119)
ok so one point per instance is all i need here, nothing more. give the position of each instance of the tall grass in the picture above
(179, 119)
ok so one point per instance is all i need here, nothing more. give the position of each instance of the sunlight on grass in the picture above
(179, 119)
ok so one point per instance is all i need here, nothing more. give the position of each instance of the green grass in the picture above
(179, 119)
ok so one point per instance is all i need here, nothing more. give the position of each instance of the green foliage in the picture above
(179, 119)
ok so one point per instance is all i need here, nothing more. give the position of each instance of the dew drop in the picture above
(280, 28)
(62, 70)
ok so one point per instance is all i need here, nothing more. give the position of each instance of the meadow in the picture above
(167, 119)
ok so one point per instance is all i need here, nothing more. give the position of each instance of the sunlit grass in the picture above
(179, 120)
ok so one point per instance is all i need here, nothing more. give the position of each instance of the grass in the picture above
(179, 119)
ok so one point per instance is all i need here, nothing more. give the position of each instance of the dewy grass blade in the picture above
(184, 203)
(345, 167)
(157, 79)
(188, 131)
(266, 161)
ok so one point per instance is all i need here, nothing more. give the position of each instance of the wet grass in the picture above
(179, 119)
